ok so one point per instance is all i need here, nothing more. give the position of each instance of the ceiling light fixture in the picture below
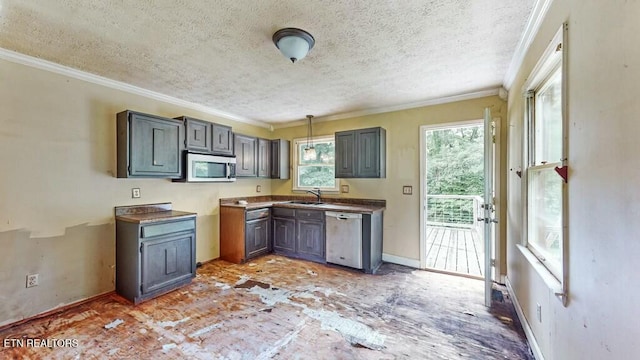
(309, 152)
(293, 43)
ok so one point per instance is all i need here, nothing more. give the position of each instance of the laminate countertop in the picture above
(150, 213)
(324, 206)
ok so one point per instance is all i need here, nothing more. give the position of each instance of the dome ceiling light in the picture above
(293, 43)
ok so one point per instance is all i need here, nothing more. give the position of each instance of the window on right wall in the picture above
(545, 158)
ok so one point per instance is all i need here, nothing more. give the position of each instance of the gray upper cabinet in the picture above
(280, 159)
(149, 146)
(222, 140)
(245, 150)
(345, 154)
(198, 134)
(361, 153)
(264, 158)
(206, 137)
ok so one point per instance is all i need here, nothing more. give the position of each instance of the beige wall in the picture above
(604, 199)
(58, 189)
(402, 217)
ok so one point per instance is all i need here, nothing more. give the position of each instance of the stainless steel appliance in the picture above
(344, 239)
(209, 168)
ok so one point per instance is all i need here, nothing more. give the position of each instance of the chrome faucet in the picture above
(315, 192)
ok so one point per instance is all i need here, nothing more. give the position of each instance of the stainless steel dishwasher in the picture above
(344, 239)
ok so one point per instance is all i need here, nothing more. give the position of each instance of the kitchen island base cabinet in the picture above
(153, 259)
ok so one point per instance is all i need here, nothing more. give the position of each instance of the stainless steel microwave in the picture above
(209, 168)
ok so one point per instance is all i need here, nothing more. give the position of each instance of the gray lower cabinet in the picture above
(372, 241)
(154, 258)
(149, 146)
(361, 153)
(284, 235)
(299, 233)
(310, 242)
(257, 236)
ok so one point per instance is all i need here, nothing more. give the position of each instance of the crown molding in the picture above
(386, 109)
(42, 64)
(538, 14)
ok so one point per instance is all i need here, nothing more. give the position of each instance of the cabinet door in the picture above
(167, 260)
(284, 237)
(222, 140)
(279, 159)
(198, 135)
(345, 154)
(245, 150)
(264, 159)
(155, 146)
(257, 235)
(368, 153)
(310, 240)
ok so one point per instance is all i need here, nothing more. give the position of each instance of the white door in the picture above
(489, 207)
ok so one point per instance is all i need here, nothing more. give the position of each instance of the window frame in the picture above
(554, 58)
(296, 145)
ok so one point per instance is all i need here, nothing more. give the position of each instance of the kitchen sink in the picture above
(300, 202)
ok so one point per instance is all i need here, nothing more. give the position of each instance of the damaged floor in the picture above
(275, 307)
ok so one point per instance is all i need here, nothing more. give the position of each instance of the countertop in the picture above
(324, 206)
(150, 213)
(156, 216)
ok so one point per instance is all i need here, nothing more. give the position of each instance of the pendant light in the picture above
(293, 43)
(309, 151)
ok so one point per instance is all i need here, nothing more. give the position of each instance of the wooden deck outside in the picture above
(455, 250)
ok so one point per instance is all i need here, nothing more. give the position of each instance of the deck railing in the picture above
(459, 211)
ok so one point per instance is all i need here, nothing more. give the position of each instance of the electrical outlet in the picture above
(344, 188)
(539, 312)
(135, 193)
(32, 280)
(258, 188)
(407, 190)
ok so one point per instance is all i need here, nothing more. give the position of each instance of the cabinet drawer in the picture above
(284, 212)
(310, 214)
(167, 228)
(257, 214)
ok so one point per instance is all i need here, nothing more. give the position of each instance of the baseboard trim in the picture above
(533, 344)
(56, 310)
(401, 260)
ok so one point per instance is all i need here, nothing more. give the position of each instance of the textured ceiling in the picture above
(368, 54)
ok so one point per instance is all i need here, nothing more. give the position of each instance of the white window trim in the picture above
(549, 61)
(294, 185)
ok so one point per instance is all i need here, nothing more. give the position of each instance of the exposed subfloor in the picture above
(275, 307)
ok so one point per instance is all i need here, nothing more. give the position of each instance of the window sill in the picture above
(554, 284)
